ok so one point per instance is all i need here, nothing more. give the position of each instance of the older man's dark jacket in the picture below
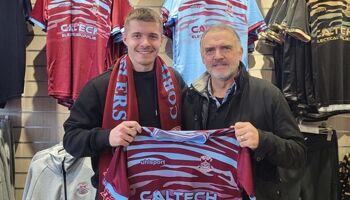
(281, 145)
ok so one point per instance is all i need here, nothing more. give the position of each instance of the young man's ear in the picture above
(163, 37)
(124, 38)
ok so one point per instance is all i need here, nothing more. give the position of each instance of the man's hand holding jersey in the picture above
(124, 133)
(246, 134)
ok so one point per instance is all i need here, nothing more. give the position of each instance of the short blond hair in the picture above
(145, 15)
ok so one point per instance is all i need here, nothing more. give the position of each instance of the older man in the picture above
(226, 95)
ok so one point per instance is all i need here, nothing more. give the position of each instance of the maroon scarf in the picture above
(121, 104)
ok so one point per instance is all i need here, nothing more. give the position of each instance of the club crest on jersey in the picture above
(205, 163)
(229, 8)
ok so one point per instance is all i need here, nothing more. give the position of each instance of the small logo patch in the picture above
(82, 189)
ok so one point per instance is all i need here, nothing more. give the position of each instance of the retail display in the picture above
(7, 160)
(186, 20)
(77, 37)
(344, 171)
(13, 15)
(310, 48)
(54, 174)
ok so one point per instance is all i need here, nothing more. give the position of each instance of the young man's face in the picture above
(221, 54)
(143, 40)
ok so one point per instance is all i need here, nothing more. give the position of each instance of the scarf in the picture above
(121, 105)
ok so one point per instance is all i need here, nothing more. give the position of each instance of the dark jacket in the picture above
(281, 145)
(84, 135)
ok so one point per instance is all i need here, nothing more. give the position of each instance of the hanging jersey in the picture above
(188, 20)
(296, 22)
(180, 165)
(13, 15)
(77, 35)
(330, 33)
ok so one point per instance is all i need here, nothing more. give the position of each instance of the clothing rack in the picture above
(4, 117)
(7, 158)
(316, 128)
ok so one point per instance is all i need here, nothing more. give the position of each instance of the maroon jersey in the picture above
(180, 165)
(77, 36)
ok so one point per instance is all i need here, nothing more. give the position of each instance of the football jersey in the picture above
(188, 20)
(77, 36)
(180, 165)
(13, 15)
(330, 33)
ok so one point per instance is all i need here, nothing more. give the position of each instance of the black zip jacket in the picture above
(281, 145)
(84, 135)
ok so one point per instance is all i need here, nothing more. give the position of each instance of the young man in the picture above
(139, 91)
(226, 95)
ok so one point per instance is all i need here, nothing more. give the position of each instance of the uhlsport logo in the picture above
(152, 162)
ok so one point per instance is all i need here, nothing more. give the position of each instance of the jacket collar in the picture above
(201, 83)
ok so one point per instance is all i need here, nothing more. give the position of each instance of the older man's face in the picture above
(221, 54)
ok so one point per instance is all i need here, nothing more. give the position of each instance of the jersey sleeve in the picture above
(27, 9)
(39, 15)
(256, 22)
(244, 172)
(116, 180)
(298, 24)
(169, 14)
(120, 9)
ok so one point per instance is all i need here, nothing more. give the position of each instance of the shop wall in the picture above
(37, 119)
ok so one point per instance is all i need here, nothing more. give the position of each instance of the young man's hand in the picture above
(124, 133)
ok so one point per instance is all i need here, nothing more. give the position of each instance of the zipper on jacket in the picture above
(64, 180)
